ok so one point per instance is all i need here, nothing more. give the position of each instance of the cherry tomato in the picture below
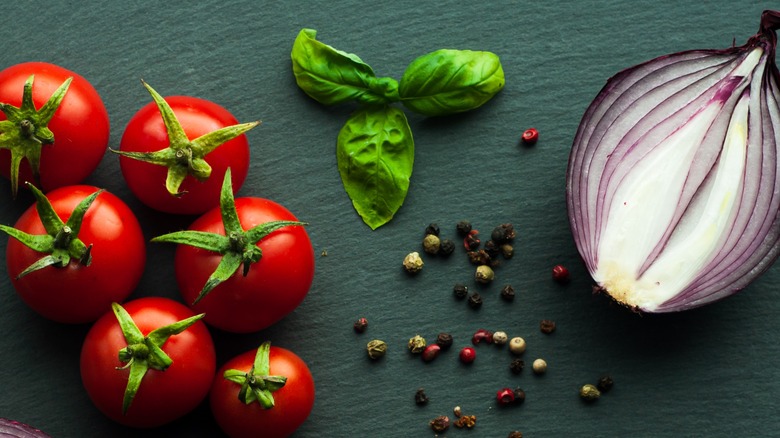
(76, 293)
(146, 132)
(273, 286)
(80, 125)
(292, 403)
(163, 396)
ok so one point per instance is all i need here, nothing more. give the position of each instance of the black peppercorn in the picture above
(446, 247)
(547, 326)
(492, 249)
(605, 383)
(479, 257)
(433, 228)
(420, 397)
(503, 233)
(475, 300)
(519, 396)
(463, 228)
(516, 366)
(508, 292)
(461, 291)
(440, 423)
(444, 340)
(515, 434)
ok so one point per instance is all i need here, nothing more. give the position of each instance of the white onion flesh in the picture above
(673, 185)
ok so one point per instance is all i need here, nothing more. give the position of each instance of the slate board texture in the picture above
(708, 372)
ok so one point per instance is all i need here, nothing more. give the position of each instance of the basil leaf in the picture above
(375, 155)
(331, 76)
(451, 81)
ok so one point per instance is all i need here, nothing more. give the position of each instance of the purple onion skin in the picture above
(705, 125)
(15, 429)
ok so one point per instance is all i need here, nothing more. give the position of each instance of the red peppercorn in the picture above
(560, 274)
(467, 354)
(471, 241)
(482, 335)
(360, 325)
(530, 136)
(505, 396)
(431, 352)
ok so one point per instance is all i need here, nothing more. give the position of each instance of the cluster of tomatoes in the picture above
(75, 261)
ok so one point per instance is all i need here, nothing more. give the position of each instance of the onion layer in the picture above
(673, 184)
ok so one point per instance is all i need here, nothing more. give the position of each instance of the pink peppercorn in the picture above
(431, 352)
(530, 136)
(505, 396)
(467, 354)
(482, 335)
(560, 274)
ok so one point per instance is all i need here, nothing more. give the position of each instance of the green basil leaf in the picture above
(451, 81)
(331, 76)
(375, 155)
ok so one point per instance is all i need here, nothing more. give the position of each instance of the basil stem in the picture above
(375, 155)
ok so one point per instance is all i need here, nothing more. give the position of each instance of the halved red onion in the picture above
(673, 185)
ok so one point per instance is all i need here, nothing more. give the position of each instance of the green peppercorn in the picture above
(431, 244)
(589, 393)
(507, 251)
(484, 274)
(376, 348)
(417, 344)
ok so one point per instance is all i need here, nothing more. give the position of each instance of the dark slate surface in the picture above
(708, 372)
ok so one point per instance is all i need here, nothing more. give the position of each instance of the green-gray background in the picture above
(708, 372)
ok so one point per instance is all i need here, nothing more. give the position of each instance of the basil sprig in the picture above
(375, 148)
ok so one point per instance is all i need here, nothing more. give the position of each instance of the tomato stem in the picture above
(257, 385)
(238, 247)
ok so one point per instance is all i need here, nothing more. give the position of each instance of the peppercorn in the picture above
(505, 396)
(467, 354)
(484, 274)
(547, 326)
(467, 421)
(431, 244)
(417, 344)
(516, 366)
(440, 423)
(420, 398)
(430, 352)
(605, 383)
(508, 292)
(507, 251)
(482, 335)
(479, 257)
(413, 263)
(530, 136)
(432, 228)
(460, 290)
(463, 228)
(446, 247)
(503, 233)
(376, 349)
(515, 434)
(560, 274)
(360, 325)
(444, 340)
(519, 395)
(471, 242)
(492, 249)
(539, 366)
(475, 300)
(517, 345)
(500, 338)
(589, 393)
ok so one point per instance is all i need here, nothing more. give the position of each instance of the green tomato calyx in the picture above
(257, 385)
(25, 130)
(144, 352)
(237, 246)
(183, 156)
(61, 244)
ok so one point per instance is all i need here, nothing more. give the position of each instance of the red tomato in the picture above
(272, 288)
(77, 293)
(80, 125)
(163, 395)
(292, 403)
(146, 133)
